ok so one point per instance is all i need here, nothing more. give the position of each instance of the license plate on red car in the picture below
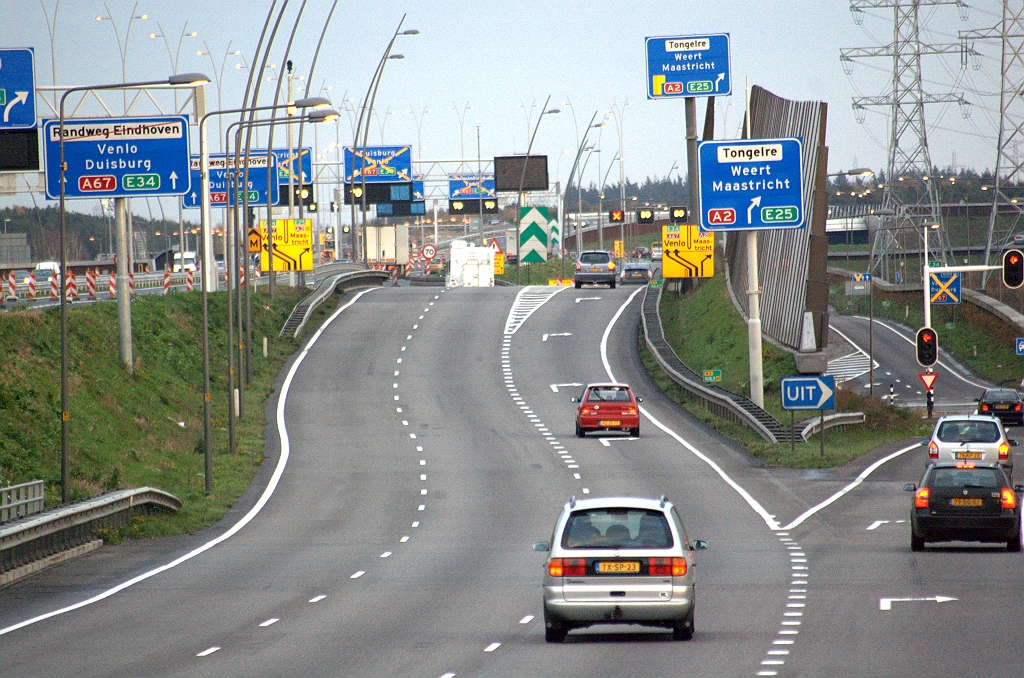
(610, 422)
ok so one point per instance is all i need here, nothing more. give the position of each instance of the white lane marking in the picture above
(316, 599)
(876, 524)
(415, 327)
(403, 348)
(421, 507)
(398, 409)
(399, 361)
(586, 490)
(412, 435)
(784, 632)
(886, 603)
(448, 675)
(275, 478)
(423, 462)
(579, 299)
(423, 476)
(270, 622)
(554, 387)
(607, 441)
(423, 492)
(405, 422)
(386, 554)
(416, 524)
(208, 651)
(396, 397)
(753, 503)
(556, 334)
(527, 619)
(492, 647)
(782, 642)
(358, 574)
(408, 337)
(576, 476)
(860, 479)
(404, 539)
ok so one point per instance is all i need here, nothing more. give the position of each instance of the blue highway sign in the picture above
(17, 88)
(380, 164)
(751, 184)
(417, 189)
(688, 66)
(861, 277)
(944, 288)
(118, 157)
(219, 174)
(284, 164)
(809, 393)
(1020, 345)
(471, 187)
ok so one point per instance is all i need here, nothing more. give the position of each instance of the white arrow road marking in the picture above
(875, 524)
(556, 334)
(19, 98)
(607, 441)
(554, 387)
(579, 299)
(174, 180)
(886, 603)
(754, 202)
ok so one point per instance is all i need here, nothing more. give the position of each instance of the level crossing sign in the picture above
(686, 252)
(17, 88)
(944, 288)
(221, 169)
(809, 393)
(688, 66)
(753, 184)
(118, 157)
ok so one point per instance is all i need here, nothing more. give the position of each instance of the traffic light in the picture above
(927, 347)
(678, 215)
(616, 217)
(645, 216)
(1013, 268)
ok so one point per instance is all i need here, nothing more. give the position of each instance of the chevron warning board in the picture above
(533, 234)
(686, 252)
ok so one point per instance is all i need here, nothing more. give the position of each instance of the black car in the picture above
(965, 502)
(636, 272)
(1004, 403)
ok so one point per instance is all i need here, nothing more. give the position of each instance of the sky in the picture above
(495, 63)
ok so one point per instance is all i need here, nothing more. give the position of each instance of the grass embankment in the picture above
(975, 337)
(539, 274)
(143, 429)
(707, 333)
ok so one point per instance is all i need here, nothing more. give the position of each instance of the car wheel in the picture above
(1013, 545)
(683, 630)
(916, 543)
(580, 433)
(579, 285)
(634, 432)
(554, 631)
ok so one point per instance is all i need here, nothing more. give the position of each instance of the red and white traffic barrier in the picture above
(112, 288)
(32, 286)
(71, 287)
(90, 283)
(167, 281)
(241, 276)
(12, 287)
(189, 281)
(131, 284)
(54, 287)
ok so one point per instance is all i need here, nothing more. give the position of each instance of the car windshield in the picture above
(1001, 396)
(595, 258)
(968, 432)
(963, 477)
(622, 528)
(608, 394)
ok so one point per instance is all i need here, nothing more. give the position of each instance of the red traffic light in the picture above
(1013, 269)
(927, 345)
(616, 216)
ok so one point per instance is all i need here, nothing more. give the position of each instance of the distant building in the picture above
(14, 249)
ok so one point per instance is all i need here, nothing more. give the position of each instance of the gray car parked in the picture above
(619, 560)
(595, 267)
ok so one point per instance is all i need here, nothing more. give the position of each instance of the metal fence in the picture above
(19, 501)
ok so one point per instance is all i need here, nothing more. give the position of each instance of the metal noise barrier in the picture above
(792, 262)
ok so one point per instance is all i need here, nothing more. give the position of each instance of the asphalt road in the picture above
(427, 448)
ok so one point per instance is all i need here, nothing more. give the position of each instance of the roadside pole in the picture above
(124, 298)
(871, 337)
(822, 413)
(754, 299)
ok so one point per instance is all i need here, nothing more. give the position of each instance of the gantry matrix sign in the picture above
(118, 157)
(751, 184)
(688, 66)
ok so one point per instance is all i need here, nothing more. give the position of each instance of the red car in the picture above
(607, 407)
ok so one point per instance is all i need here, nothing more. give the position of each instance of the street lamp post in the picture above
(123, 301)
(522, 178)
(618, 115)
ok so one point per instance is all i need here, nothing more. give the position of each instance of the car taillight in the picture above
(1016, 408)
(578, 267)
(984, 407)
(648, 275)
(1009, 498)
(965, 464)
(631, 410)
(1004, 451)
(611, 265)
(933, 450)
(567, 567)
(586, 410)
(664, 567)
(921, 498)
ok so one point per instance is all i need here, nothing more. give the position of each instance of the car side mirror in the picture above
(639, 400)
(1013, 443)
(977, 400)
(699, 545)
(1018, 488)
(541, 546)
(574, 399)
(909, 487)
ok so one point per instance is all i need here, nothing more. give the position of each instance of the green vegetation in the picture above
(144, 429)
(539, 274)
(706, 332)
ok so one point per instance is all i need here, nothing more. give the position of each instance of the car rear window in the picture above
(613, 394)
(968, 432)
(961, 477)
(620, 528)
(595, 258)
(1001, 396)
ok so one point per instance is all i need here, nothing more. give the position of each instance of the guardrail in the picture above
(21, 500)
(304, 310)
(836, 420)
(42, 535)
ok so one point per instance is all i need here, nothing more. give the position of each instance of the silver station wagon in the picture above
(619, 560)
(972, 438)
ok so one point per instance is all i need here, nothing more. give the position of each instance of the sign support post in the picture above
(692, 179)
(124, 306)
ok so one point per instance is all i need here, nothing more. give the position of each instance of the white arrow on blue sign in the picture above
(219, 171)
(1020, 345)
(751, 184)
(809, 393)
(17, 88)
